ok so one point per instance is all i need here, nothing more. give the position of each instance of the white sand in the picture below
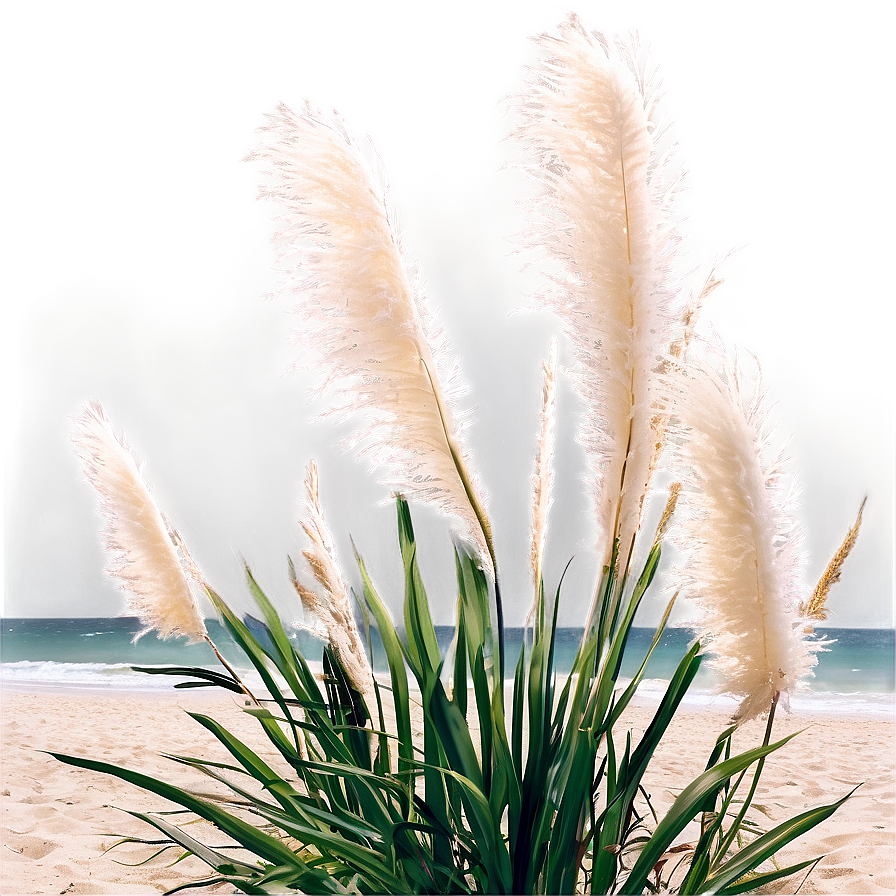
(57, 820)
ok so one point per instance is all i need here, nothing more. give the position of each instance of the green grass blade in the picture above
(460, 679)
(251, 762)
(222, 863)
(768, 844)
(397, 671)
(755, 881)
(454, 735)
(629, 692)
(263, 845)
(423, 647)
(209, 678)
(253, 651)
(283, 654)
(685, 808)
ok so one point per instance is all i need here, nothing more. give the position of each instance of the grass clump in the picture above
(454, 773)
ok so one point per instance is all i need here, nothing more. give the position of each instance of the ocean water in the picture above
(854, 674)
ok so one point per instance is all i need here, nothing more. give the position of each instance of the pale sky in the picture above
(124, 125)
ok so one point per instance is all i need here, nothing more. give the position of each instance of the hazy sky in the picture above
(136, 262)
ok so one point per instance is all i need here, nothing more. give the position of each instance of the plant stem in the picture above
(479, 511)
(735, 827)
(230, 669)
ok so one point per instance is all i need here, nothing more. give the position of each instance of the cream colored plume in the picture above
(743, 565)
(362, 321)
(333, 609)
(544, 460)
(149, 558)
(602, 225)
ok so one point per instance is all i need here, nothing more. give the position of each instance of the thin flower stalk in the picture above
(543, 476)
(743, 565)
(602, 222)
(676, 356)
(332, 606)
(365, 328)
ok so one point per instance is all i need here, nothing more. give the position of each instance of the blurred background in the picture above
(138, 271)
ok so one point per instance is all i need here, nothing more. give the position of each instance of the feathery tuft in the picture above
(334, 609)
(149, 557)
(743, 563)
(544, 460)
(668, 511)
(604, 225)
(814, 608)
(364, 323)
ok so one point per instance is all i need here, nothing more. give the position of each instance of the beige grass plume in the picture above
(603, 225)
(363, 322)
(149, 558)
(814, 608)
(332, 608)
(743, 565)
(599, 220)
(544, 460)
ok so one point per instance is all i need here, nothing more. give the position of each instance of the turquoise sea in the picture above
(855, 673)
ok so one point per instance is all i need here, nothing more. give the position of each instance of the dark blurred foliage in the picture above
(226, 439)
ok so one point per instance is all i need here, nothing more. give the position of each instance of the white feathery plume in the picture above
(363, 322)
(333, 609)
(743, 565)
(604, 225)
(149, 557)
(544, 459)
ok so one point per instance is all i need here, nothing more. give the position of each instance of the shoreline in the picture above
(858, 704)
(58, 820)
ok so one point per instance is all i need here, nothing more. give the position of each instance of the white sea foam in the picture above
(809, 702)
(121, 677)
(101, 676)
(117, 676)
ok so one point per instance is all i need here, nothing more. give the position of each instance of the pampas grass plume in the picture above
(602, 222)
(333, 609)
(743, 565)
(365, 327)
(147, 558)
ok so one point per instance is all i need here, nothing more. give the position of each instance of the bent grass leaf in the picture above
(768, 844)
(222, 863)
(263, 845)
(210, 678)
(685, 808)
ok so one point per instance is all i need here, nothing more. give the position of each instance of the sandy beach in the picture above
(58, 822)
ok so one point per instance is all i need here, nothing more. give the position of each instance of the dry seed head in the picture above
(603, 227)
(743, 549)
(332, 607)
(815, 608)
(149, 558)
(364, 324)
(674, 491)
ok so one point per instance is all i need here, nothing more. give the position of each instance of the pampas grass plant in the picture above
(546, 797)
